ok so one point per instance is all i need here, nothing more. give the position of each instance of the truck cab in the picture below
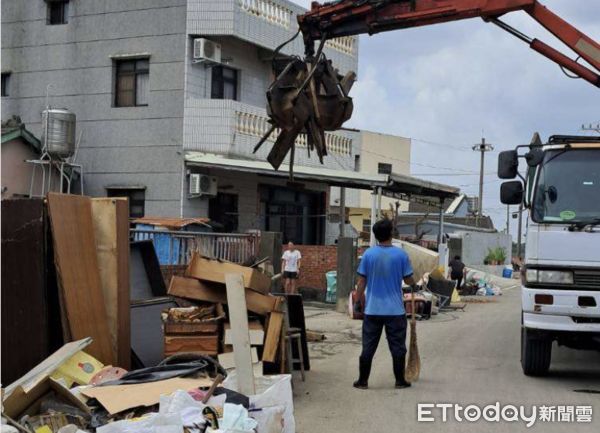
(561, 272)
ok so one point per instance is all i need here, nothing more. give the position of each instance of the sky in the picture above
(445, 86)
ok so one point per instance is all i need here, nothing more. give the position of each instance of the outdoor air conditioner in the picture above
(206, 51)
(203, 185)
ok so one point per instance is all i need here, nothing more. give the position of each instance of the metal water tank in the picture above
(60, 125)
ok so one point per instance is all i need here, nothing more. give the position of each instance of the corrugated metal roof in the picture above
(172, 223)
(390, 184)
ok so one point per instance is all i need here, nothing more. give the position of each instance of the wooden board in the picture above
(274, 327)
(197, 290)
(25, 309)
(255, 331)
(77, 271)
(238, 317)
(227, 360)
(211, 327)
(111, 228)
(214, 270)
(203, 344)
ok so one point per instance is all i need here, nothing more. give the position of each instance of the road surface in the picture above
(469, 357)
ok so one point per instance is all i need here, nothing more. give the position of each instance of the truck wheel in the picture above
(536, 354)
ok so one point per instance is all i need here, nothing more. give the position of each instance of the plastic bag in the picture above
(271, 392)
(152, 423)
(235, 418)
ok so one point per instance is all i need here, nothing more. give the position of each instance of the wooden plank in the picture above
(274, 328)
(214, 270)
(211, 327)
(77, 271)
(197, 290)
(227, 360)
(25, 308)
(111, 228)
(255, 330)
(238, 317)
(203, 344)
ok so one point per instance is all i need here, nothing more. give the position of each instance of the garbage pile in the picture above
(71, 392)
(139, 356)
(479, 283)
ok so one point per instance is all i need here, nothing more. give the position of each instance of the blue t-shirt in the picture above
(384, 267)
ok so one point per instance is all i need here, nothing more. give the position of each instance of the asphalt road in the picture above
(469, 357)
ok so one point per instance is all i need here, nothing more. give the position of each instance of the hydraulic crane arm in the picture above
(353, 17)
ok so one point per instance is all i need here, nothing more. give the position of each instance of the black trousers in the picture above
(395, 332)
(458, 279)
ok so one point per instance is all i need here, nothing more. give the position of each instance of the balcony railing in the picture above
(257, 125)
(345, 44)
(278, 14)
(268, 10)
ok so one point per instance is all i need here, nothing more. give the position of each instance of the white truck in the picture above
(561, 272)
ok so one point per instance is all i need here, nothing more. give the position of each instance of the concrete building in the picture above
(148, 102)
(379, 154)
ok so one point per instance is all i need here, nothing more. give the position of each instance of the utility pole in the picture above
(342, 212)
(481, 147)
(507, 219)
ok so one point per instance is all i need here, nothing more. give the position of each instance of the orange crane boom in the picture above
(353, 17)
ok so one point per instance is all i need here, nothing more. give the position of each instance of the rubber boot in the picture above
(364, 370)
(399, 365)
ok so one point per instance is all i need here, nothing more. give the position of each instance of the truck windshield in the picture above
(568, 187)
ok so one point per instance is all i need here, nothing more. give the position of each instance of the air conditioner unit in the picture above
(206, 51)
(203, 185)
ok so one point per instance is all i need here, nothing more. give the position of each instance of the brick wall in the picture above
(316, 260)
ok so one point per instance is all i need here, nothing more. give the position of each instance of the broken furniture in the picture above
(193, 330)
(293, 338)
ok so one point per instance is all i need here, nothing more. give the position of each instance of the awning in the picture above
(393, 185)
(343, 178)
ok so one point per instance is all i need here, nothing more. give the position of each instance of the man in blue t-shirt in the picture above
(381, 271)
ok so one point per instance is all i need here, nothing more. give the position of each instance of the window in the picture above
(568, 187)
(131, 84)
(366, 225)
(223, 209)
(383, 168)
(224, 83)
(136, 196)
(58, 12)
(5, 82)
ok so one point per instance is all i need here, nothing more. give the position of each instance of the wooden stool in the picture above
(294, 335)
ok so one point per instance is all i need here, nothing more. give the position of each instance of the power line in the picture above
(433, 143)
(419, 164)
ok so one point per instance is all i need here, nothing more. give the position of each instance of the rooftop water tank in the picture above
(60, 125)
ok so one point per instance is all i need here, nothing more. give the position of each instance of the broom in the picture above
(413, 365)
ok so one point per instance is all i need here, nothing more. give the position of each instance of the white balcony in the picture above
(256, 125)
(268, 10)
(266, 23)
(232, 128)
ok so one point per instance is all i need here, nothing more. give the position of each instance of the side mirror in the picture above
(534, 157)
(508, 164)
(511, 192)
